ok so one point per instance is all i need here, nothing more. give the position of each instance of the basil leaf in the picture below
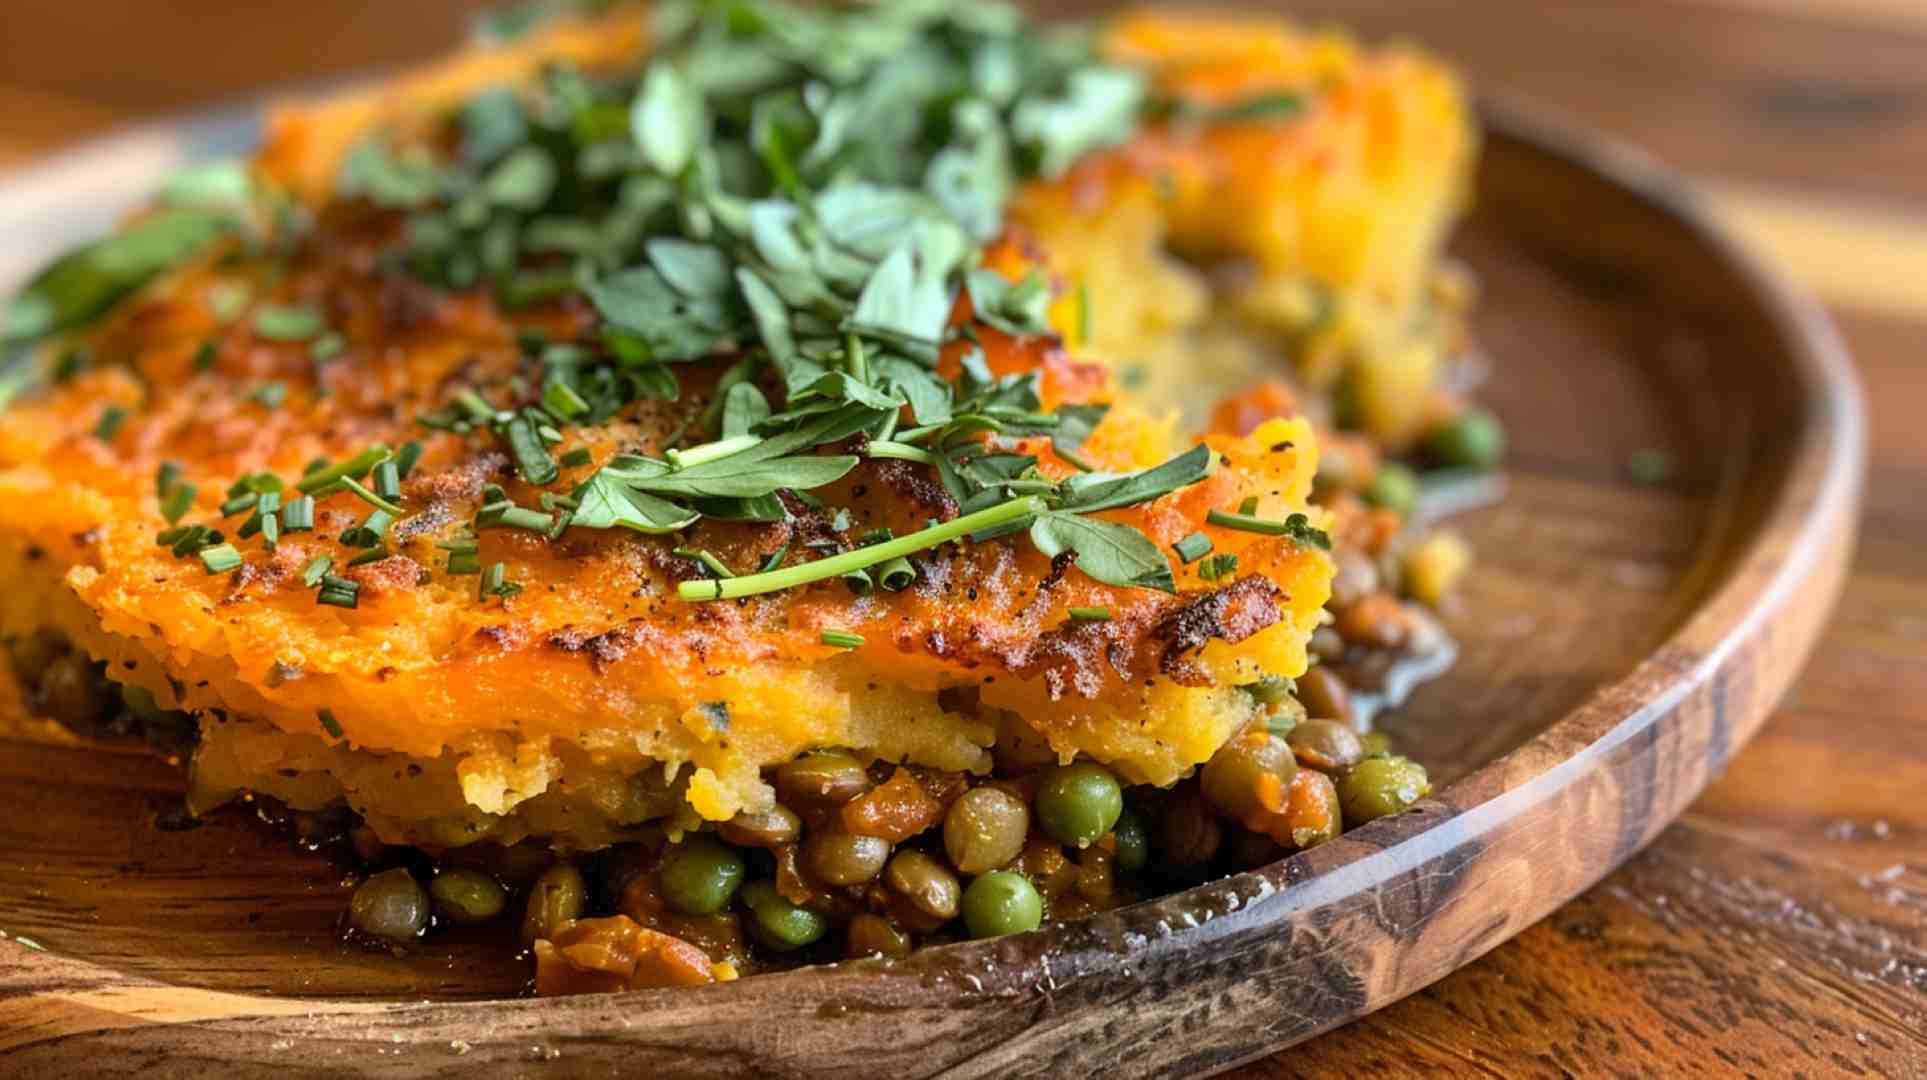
(84, 283)
(735, 477)
(771, 317)
(671, 325)
(667, 120)
(522, 180)
(604, 501)
(697, 271)
(743, 408)
(841, 386)
(389, 181)
(1020, 308)
(492, 125)
(1088, 492)
(1098, 108)
(1075, 424)
(926, 391)
(1112, 553)
(214, 185)
(763, 508)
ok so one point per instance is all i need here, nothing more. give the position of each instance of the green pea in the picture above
(821, 779)
(1473, 439)
(1002, 902)
(984, 829)
(1078, 803)
(872, 935)
(555, 900)
(1326, 745)
(466, 896)
(778, 923)
(699, 876)
(1250, 768)
(1133, 841)
(1380, 786)
(390, 905)
(1394, 488)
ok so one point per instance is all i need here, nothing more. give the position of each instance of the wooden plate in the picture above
(1621, 640)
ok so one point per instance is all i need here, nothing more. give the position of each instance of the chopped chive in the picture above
(226, 300)
(507, 515)
(316, 570)
(842, 639)
(1249, 506)
(265, 509)
(271, 531)
(259, 482)
(478, 409)
(362, 492)
(298, 516)
(370, 531)
(1193, 547)
(387, 481)
(775, 559)
(577, 458)
(837, 565)
(269, 395)
(464, 562)
(859, 582)
(178, 501)
(220, 558)
(111, 419)
(204, 356)
(561, 399)
(709, 561)
(1071, 457)
(339, 592)
(288, 322)
(243, 501)
(406, 458)
(1218, 566)
(1244, 522)
(1091, 614)
(372, 555)
(188, 539)
(532, 458)
(329, 724)
(356, 467)
(495, 582)
(896, 575)
(165, 478)
(722, 448)
(880, 448)
(1296, 526)
(327, 347)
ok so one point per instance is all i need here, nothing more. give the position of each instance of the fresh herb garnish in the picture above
(111, 419)
(1192, 548)
(220, 558)
(1296, 526)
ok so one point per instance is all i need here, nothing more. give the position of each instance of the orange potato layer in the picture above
(589, 702)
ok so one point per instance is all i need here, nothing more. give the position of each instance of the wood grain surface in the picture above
(1781, 927)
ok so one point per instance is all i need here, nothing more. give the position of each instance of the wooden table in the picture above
(1780, 928)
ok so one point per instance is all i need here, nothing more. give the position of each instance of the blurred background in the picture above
(1804, 122)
